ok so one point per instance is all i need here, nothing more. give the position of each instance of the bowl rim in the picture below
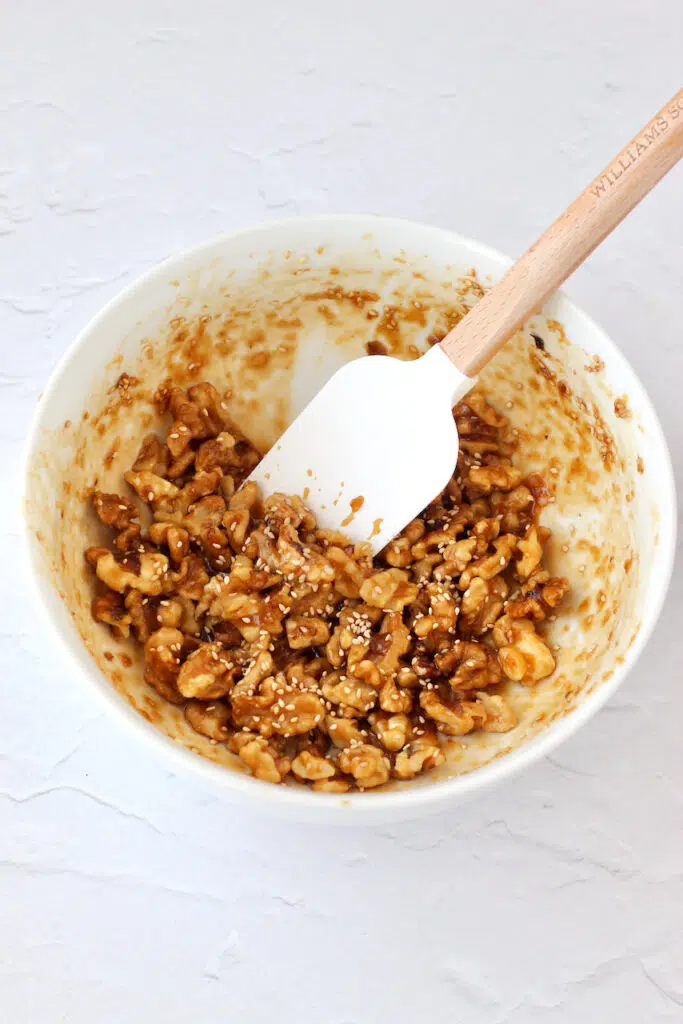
(353, 806)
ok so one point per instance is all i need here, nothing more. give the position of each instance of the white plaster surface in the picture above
(129, 894)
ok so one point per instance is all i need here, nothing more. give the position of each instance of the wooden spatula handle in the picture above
(567, 242)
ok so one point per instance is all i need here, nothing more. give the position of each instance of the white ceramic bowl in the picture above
(255, 309)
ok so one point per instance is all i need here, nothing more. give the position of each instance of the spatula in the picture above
(378, 442)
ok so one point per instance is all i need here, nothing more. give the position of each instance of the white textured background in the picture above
(131, 129)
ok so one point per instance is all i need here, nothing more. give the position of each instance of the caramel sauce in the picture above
(356, 505)
(376, 527)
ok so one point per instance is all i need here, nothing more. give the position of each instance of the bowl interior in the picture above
(270, 314)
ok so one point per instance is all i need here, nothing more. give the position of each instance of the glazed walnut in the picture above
(522, 653)
(308, 658)
(368, 765)
(419, 756)
(210, 719)
(207, 674)
(310, 768)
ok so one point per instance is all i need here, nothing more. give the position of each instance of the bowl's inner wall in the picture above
(272, 331)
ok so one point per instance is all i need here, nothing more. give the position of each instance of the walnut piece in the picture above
(389, 590)
(393, 731)
(311, 768)
(162, 662)
(143, 572)
(207, 674)
(368, 765)
(305, 632)
(209, 719)
(260, 758)
(421, 755)
(522, 653)
(455, 718)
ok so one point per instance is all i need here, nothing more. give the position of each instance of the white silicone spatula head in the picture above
(373, 447)
(378, 443)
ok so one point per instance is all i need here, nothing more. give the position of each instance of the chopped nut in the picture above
(554, 590)
(268, 711)
(513, 508)
(305, 632)
(482, 604)
(150, 487)
(152, 457)
(456, 557)
(114, 510)
(522, 654)
(287, 510)
(162, 662)
(476, 666)
(485, 479)
(246, 498)
(258, 669)
(190, 578)
(173, 537)
(455, 718)
(485, 412)
(111, 610)
(210, 720)
(368, 765)
(206, 674)
(499, 715)
(343, 732)
(303, 713)
(398, 553)
(490, 565)
(348, 574)
(532, 552)
(421, 755)
(144, 572)
(258, 756)
(236, 523)
(390, 590)
(217, 453)
(170, 613)
(354, 697)
(336, 785)
(393, 731)
(143, 616)
(311, 768)
(393, 699)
